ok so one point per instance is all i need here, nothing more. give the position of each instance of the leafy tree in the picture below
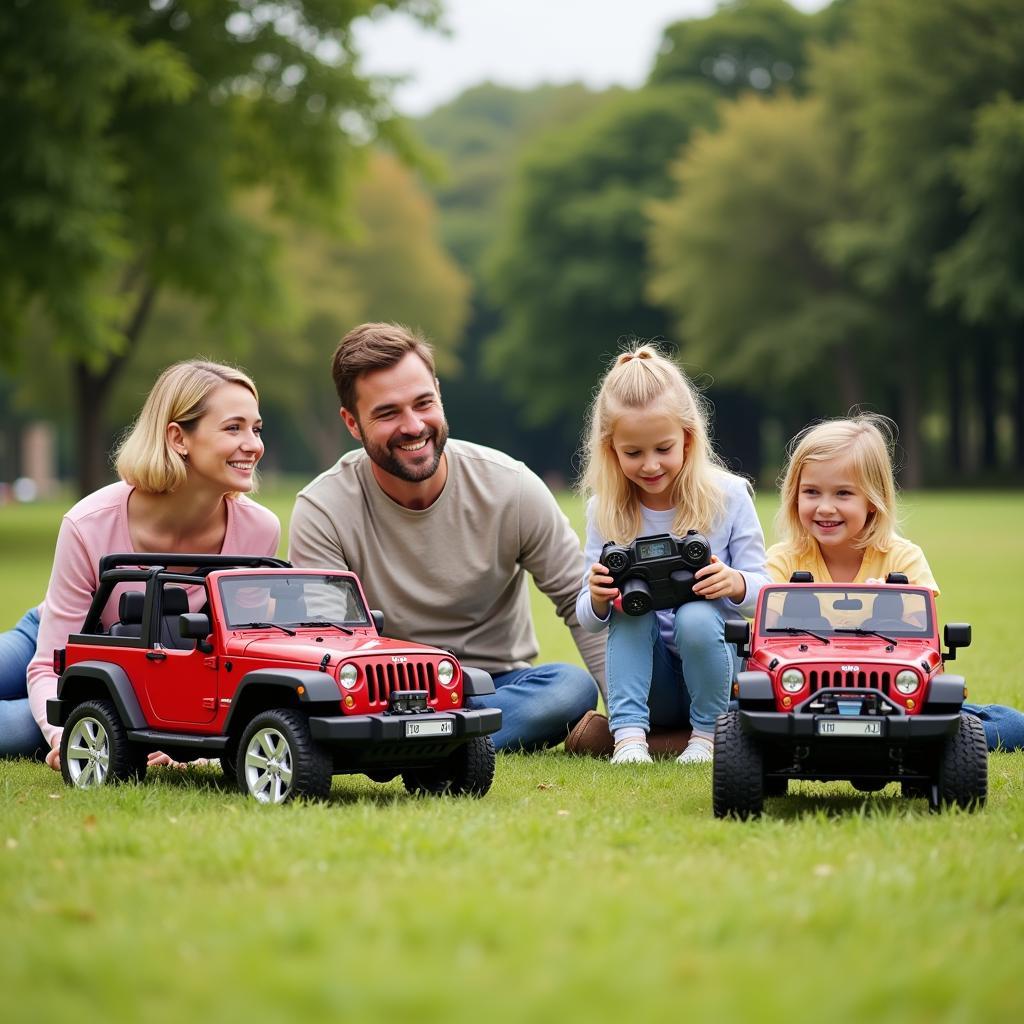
(911, 80)
(479, 136)
(570, 264)
(743, 45)
(737, 258)
(982, 273)
(131, 130)
(386, 264)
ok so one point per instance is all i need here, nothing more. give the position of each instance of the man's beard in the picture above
(383, 457)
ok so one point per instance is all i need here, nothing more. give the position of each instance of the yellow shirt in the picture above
(904, 556)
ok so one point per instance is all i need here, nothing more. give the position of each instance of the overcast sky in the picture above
(523, 43)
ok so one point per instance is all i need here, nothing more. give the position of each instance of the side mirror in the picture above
(896, 577)
(378, 620)
(801, 577)
(196, 626)
(956, 634)
(737, 632)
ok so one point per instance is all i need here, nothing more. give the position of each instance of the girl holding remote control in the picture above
(649, 468)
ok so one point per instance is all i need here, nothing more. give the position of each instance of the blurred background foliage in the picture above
(816, 211)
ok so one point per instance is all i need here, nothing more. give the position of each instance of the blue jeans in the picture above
(19, 734)
(648, 684)
(539, 705)
(1004, 727)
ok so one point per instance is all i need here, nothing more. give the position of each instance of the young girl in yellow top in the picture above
(837, 520)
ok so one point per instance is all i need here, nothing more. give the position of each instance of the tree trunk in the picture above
(1018, 403)
(910, 420)
(984, 361)
(848, 381)
(92, 391)
(955, 443)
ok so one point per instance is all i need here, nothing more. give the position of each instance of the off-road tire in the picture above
(301, 767)
(737, 777)
(467, 771)
(963, 770)
(95, 728)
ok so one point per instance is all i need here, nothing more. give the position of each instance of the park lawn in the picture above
(572, 891)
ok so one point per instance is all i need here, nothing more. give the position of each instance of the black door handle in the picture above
(156, 656)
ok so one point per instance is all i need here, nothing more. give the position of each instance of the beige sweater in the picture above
(454, 574)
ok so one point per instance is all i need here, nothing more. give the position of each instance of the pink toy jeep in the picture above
(847, 682)
(284, 675)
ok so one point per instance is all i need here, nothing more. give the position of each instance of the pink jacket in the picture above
(98, 525)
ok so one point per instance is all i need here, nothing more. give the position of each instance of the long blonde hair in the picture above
(639, 379)
(866, 441)
(144, 458)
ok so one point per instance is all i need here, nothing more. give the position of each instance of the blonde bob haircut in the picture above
(865, 442)
(643, 379)
(144, 458)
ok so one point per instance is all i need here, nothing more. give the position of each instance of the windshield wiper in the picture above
(861, 631)
(792, 630)
(327, 622)
(264, 625)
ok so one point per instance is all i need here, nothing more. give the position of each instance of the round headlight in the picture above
(348, 676)
(906, 681)
(445, 672)
(792, 680)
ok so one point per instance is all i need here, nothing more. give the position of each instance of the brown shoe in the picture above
(590, 736)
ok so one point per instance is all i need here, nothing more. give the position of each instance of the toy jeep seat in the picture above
(174, 602)
(886, 613)
(801, 610)
(129, 614)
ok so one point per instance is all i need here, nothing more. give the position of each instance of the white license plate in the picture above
(837, 727)
(442, 727)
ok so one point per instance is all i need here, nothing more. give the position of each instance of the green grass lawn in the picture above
(573, 891)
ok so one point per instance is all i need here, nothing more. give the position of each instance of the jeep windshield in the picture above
(256, 601)
(883, 612)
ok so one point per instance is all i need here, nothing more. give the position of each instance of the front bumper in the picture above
(777, 725)
(383, 728)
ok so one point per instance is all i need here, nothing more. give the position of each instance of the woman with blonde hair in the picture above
(185, 467)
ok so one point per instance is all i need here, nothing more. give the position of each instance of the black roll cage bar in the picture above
(149, 567)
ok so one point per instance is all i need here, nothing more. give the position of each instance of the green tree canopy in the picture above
(738, 263)
(131, 129)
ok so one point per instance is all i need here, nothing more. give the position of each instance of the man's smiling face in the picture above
(399, 419)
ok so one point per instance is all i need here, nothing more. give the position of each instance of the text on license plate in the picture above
(438, 727)
(837, 727)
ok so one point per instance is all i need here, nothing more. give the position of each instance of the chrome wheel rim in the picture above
(88, 753)
(268, 766)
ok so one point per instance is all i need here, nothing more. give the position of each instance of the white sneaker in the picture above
(632, 752)
(698, 751)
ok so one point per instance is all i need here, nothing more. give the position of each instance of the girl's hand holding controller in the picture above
(719, 580)
(602, 590)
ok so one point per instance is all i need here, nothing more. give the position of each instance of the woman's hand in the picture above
(602, 590)
(720, 580)
(53, 758)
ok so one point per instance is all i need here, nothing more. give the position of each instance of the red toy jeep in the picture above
(847, 681)
(284, 676)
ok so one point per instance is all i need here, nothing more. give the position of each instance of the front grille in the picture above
(382, 679)
(875, 680)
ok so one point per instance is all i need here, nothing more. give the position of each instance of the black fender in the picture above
(945, 692)
(307, 686)
(476, 682)
(81, 678)
(754, 690)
